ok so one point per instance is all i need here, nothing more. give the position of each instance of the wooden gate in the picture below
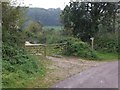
(45, 49)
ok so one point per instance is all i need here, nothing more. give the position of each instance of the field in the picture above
(53, 27)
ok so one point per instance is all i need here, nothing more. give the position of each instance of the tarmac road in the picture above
(103, 76)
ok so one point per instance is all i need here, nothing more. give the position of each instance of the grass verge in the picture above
(107, 56)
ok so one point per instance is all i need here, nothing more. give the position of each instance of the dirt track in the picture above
(73, 72)
(65, 67)
(102, 76)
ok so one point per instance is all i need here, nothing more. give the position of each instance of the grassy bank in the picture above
(38, 80)
(23, 74)
(107, 56)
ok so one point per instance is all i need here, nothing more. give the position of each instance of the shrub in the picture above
(78, 48)
(17, 66)
(106, 43)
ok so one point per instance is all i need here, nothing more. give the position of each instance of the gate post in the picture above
(45, 48)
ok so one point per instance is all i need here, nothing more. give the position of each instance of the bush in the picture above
(78, 48)
(106, 43)
(17, 66)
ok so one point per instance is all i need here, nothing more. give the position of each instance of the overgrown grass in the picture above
(38, 80)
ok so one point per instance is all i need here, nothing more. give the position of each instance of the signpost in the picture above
(92, 43)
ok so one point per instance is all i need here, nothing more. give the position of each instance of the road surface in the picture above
(103, 76)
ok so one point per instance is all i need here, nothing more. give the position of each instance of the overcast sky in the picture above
(50, 3)
(46, 3)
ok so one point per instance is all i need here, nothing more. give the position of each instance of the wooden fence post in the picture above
(45, 48)
(92, 42)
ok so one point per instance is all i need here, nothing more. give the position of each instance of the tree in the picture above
(12, 36)
(82, 19)
(33, 32)
(12, 20)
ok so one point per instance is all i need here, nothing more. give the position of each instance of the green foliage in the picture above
(33, 32)
(55, 50)
(11, 32)
(78, 48)
(51, 36)
(106, 43)
(17, 65)
(81, 19)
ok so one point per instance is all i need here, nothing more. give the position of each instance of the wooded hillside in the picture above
(48, 17)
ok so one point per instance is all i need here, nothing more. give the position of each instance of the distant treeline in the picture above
(48, 17)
